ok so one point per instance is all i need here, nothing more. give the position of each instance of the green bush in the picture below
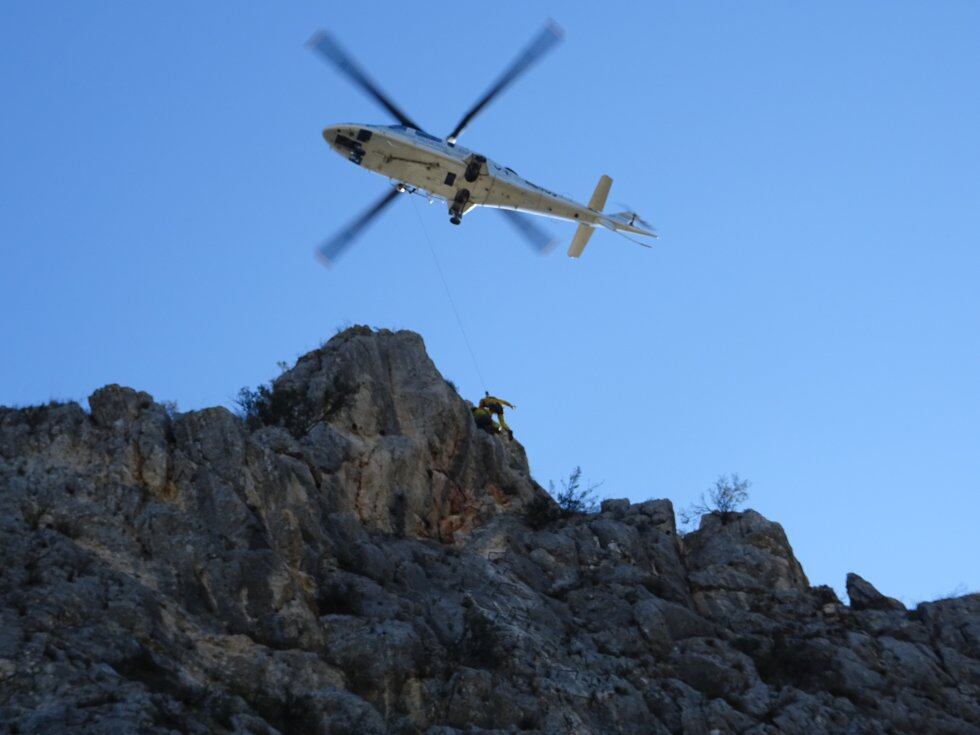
(269, 405)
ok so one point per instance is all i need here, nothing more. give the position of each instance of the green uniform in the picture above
(484, 420)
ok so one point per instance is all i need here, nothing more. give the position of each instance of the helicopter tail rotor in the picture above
(629, 222)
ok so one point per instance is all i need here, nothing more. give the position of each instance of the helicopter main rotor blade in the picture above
(335, 246)
(325, 44)
(546, 38)
(539, 240)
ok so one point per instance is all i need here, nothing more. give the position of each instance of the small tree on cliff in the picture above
(727, 495)
(573, 498)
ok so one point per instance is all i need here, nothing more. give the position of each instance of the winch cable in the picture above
(449, 295)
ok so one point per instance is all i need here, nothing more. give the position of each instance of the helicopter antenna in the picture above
(634, 240)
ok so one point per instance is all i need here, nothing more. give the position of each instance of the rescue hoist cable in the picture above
(449, 296)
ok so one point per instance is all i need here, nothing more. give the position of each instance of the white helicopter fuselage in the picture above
(460, 177)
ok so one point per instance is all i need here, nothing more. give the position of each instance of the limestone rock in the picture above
(357, 558)
(734, 559)
(395, 441)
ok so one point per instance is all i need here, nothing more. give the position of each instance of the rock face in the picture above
(357, 558)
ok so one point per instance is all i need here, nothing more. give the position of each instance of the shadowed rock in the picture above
(864, 596)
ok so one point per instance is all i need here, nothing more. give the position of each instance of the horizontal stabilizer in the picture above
(596, 203)
(581, 239)
(598, 200)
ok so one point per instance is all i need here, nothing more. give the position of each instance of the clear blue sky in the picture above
(809, 320)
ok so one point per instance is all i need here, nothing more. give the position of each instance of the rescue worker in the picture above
(496, 407)
(484, 420)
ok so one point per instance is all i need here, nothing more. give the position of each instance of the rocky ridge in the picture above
(358, 558)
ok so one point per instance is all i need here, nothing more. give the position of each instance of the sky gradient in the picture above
(810, 319)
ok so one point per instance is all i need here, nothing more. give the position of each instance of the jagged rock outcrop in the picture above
(865, 596)
(357, 558)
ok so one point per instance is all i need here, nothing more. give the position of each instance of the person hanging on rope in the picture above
(484, 420)
(496, 407)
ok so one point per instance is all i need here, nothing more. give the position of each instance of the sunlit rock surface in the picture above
(358, 558)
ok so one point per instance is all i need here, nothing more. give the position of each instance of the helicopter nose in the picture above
(330, 133)
(343, 138)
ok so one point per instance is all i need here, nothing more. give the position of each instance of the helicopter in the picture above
(418, 162)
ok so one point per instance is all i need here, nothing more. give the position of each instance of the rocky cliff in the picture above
(357, 558)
